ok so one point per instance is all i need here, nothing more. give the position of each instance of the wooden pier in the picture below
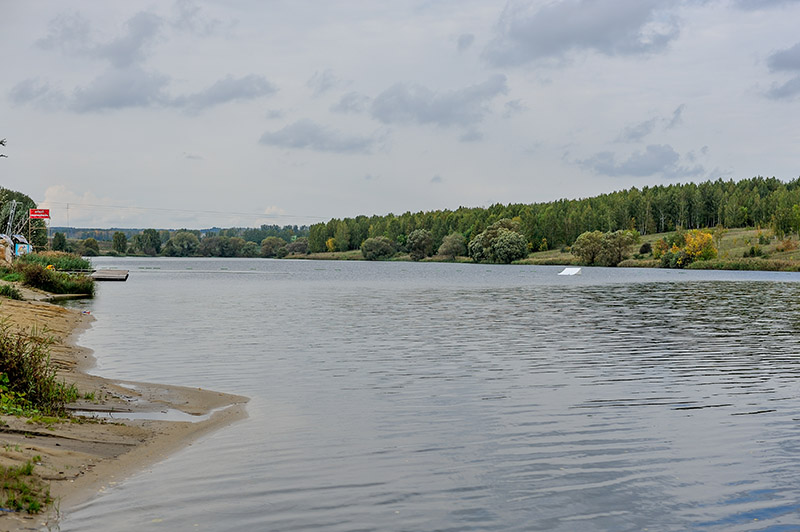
(110, 275)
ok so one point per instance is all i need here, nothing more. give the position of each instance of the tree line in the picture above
(233, 242)
(758, 201)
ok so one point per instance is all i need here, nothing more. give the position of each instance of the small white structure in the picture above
(571, 271)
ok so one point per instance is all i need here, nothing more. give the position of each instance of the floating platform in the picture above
(110, 275)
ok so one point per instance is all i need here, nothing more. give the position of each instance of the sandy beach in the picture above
(79, 460)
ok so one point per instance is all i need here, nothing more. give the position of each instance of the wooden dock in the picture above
(110, 275)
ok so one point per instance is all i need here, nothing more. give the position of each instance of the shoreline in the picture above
(80, 460)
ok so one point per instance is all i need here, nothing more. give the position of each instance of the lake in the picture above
(421, 396)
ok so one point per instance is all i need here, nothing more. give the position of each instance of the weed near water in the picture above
(21, 491)
(28, 381)
(10, 291)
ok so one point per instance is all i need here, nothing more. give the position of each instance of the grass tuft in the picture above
(21, 491)
(10, 291)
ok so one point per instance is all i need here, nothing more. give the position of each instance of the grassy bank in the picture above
(52, 271)
(28, 381)
(29, 388)
(737, 249)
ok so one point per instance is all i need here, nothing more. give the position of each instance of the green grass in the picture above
(353, 254)
(771, 265)
(58, 259)
(10, 291)
(10, 275)
(21, 491)
(37, 276)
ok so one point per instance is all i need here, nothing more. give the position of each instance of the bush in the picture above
(27, 377)
(787, 245)
(646, 249)
(754, 251)
(500, 242)
(377, 248)
(59, 259)
(37, 276)
(452, 246)
(272, 245)
(419, 244)
(509, 246)
(10, 291)
(674, 259)
(604, 249)
(299, 246)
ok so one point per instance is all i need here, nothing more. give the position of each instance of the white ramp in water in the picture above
(571, 271)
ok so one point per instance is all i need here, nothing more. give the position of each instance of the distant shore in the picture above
(82, 459)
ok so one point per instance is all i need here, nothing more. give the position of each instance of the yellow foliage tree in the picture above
(699, 246)
(331, 244)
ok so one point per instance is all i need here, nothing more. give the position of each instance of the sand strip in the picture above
(80, 460)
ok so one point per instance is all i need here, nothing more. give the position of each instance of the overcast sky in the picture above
(200, 113)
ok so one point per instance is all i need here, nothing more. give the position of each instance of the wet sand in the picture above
(81, 460)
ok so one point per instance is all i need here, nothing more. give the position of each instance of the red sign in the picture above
(40, 214)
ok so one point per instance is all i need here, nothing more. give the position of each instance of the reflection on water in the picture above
(454, 397)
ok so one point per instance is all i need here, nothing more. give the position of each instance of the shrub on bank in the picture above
(10, 292)
(37, 276)
(377, 248)
(28, 382)
(60, 260)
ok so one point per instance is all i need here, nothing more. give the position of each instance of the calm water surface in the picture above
(398, 396)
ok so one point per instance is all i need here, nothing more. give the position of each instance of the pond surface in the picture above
(407, 396)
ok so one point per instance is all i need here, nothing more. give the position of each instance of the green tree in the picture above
(452, 246)
(298, 247)
(616, 247)
(317, 235)
(342, 236)
(271, 245)
(59, 242)
(183, 244)
(119, 242)
(250, 250)
(488, 246)
(90, 247)
(377, 248)
(149, 242)
(509, 246)
(420, 244)
(587, 246)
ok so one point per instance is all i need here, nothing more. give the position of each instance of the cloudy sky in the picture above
(243, 112)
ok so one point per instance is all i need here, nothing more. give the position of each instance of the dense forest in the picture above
(759, 201)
